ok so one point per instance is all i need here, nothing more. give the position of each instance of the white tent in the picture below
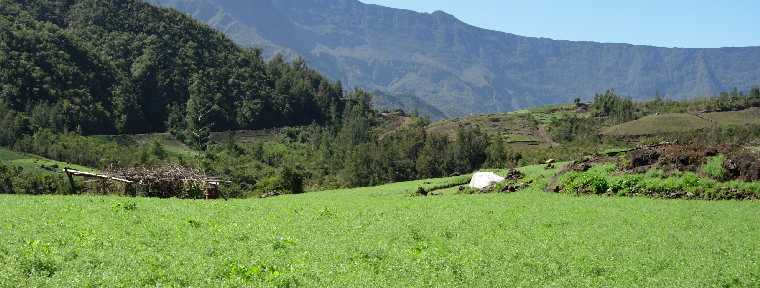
(482, 180)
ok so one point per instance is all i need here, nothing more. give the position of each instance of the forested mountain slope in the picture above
(99, 66)
(460, 69)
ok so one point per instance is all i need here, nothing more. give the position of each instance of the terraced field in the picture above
(519, 127)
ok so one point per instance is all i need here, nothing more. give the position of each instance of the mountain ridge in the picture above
(462, 69)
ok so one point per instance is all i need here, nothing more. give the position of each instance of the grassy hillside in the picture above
(658, 124)
(380, 236)
(683, 122)
(745, 117)
(172, 146)
(35, 164)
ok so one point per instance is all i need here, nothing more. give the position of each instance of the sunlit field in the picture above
(380, 237)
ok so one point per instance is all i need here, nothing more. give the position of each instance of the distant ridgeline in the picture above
(105, 67)
(460, 69)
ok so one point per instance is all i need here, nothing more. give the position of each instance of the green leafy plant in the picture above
(714, 167)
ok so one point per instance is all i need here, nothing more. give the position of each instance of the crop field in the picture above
(379, 237)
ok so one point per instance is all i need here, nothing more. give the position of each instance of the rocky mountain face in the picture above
(458, 69)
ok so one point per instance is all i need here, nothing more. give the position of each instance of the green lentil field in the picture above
(380, 237)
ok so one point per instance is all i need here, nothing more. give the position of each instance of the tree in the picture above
(609, 104)
(431, 160)
(128, 112)
(175, 121)
(496, 154)
(200, 108)
(147, 89)
(469, 151)
(292, 181)
(358, 166)
(356, 120)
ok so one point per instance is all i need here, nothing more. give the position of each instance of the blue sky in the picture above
(667, 23)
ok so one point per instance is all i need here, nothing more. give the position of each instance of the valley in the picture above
(361, 145)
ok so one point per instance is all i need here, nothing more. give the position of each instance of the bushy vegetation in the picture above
(353, 155)
(90, 151)
(714, 167)
(605, 180)
(13, 180)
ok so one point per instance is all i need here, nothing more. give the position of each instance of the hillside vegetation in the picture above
(34, 163)
(73, 71)
(371, 148)
(129, 67)
(659, 124)
(105, 67)
(684, 122)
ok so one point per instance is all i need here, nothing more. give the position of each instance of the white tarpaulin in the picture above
(482, 180)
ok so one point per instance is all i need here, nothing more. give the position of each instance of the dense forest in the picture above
(105, 67)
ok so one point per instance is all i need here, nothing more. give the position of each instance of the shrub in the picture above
(714, 167)
(625, 185)
(291, 181)
(40, 184)
(585, 183)
(288, 181)
(7, 174)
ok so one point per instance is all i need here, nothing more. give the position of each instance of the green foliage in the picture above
(687, 185)
(609, 104)
(13, 180)
(714, 167)
(89, 151)
(468, 152)
(585, 183)
(7, 175)
(38, 260)
(450, 240)
(431, 161)
(498, 155)
(574, 129)
(128, 67)
(124, 206)
(288, 181)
